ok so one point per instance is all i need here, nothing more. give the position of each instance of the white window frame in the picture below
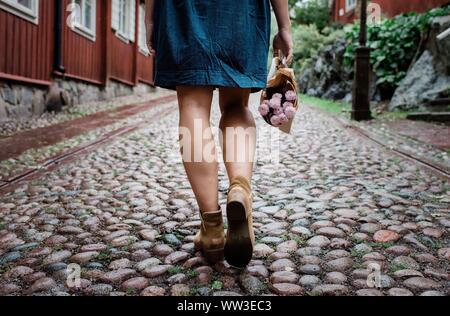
(77, 27)
(124, 33)
(350, 5)
(29, 14)
(143, 48)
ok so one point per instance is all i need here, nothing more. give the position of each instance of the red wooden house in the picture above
(344, 11)
(88, 41)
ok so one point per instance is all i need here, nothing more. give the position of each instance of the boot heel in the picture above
(211, 237)
(214, 255)
(236, 207)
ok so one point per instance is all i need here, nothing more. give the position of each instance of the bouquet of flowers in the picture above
(279, 101)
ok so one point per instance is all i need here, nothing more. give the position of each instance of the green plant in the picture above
(313, 12)
(394, 43)
(398, 266)
(194, 290)
(217, 285)
(6, 267)
(309, 41)
(300, 240)
(132, 292)
(103, 257)
(174, 270)
(358, 254)
(382, 244)
(192, 274)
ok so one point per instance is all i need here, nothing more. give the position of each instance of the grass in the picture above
(132, 292)
(217, 286)
(6, 267)
(192, 274)
(194, 290)
(358, 254)
(103, 257)
(431, 243)
(357, 266)
(337, 107)
(300, 240)
(382, 244)
(398, 266)
(175, 270)
(327, 105)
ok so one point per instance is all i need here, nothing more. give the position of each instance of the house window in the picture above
(142, 31)
(124, 19)
(84, 18)
(350, 5)
(26, 9)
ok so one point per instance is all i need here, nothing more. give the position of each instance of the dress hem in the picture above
(172, 79)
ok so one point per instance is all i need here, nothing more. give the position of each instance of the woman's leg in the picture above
(238, 143)
(238, 132)
(197, 145)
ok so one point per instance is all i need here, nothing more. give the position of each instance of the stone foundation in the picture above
(18, 101)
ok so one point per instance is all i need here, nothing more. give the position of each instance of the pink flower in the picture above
(283, 119)
(278, 111)
(275, 103)
(287, 104)
(275, 120)
(290, 112)
(277, 96)
(264, 108)
(291, 95)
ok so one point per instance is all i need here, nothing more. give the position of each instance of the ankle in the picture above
(211, 211)
(241, 181)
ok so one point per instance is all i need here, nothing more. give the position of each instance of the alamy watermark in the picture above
(374, 277)
(73, 272)
(74, 18)
(205, 144)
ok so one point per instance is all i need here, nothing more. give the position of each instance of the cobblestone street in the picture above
(333, 211)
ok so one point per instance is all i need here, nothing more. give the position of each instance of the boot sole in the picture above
(238, 247)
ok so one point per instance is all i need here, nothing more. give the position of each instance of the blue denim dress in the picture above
(219, 43)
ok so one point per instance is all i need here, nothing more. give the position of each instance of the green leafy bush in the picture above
(312, 12)
(394, 44)
(309, 41)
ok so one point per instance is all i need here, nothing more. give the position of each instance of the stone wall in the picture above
(327, 76)
(18, 101)
(429, 78)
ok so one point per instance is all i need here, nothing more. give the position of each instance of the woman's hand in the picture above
(283, 43)
(149, 31)
(149, 7)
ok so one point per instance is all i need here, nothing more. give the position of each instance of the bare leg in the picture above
(237, 123)
(238, 144)
(197, 147)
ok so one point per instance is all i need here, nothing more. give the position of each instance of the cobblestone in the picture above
(334, 207)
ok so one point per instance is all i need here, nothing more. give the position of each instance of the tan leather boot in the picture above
(211, 237)
(240, 236)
